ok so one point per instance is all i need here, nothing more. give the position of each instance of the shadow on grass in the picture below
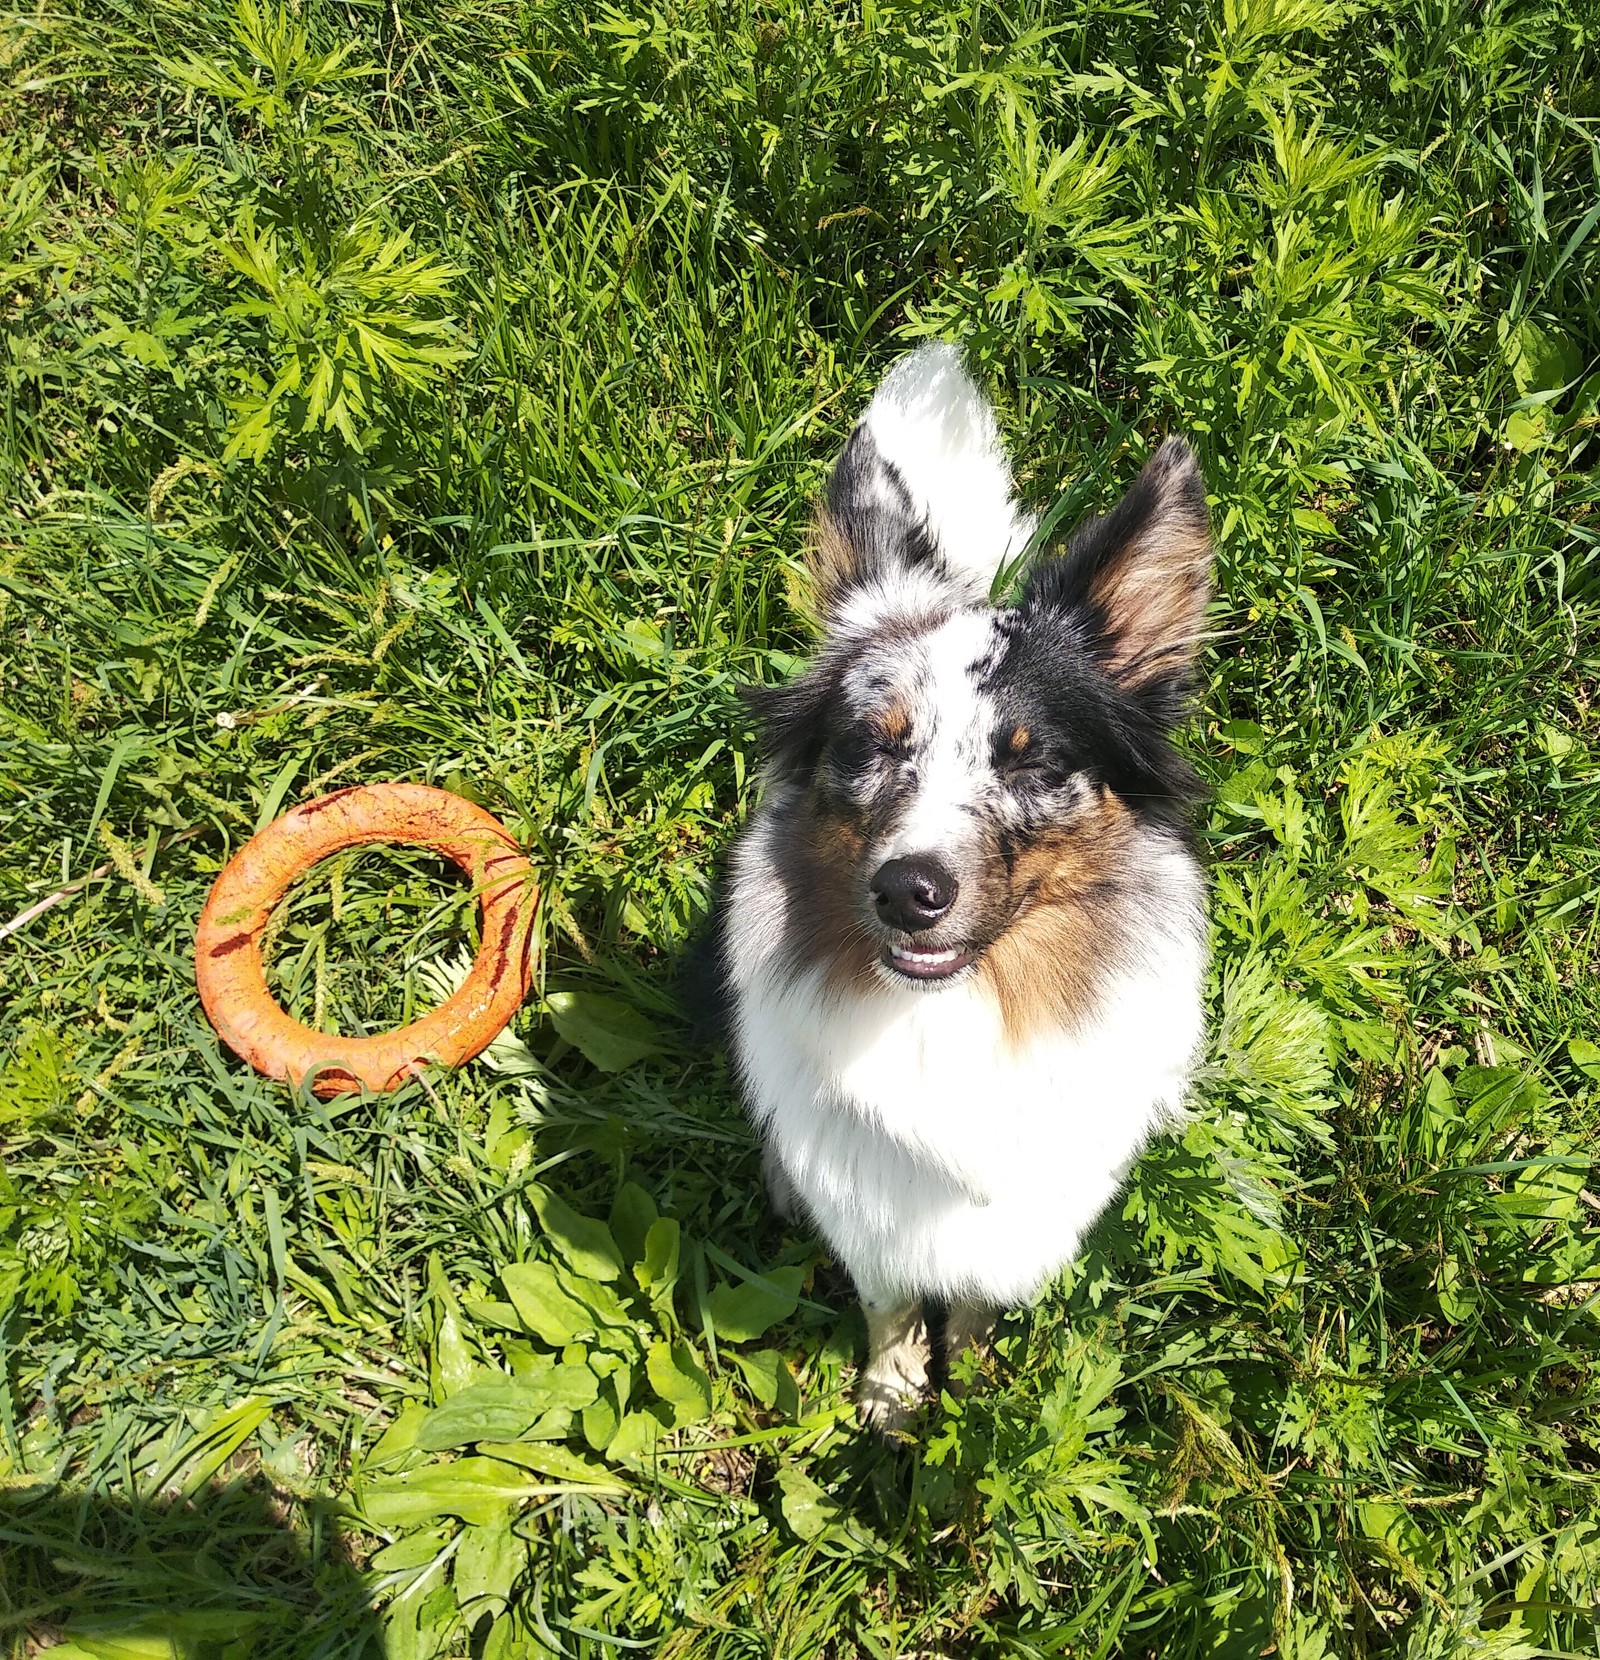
(223, 1576)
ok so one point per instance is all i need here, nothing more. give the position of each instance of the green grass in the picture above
(433, 391)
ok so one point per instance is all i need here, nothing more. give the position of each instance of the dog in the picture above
(962, 937)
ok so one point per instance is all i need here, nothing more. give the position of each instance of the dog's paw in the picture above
(885, 1408)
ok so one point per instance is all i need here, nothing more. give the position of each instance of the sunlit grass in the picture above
(434, 392)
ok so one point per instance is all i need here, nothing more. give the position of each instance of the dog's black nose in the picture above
(913, 893)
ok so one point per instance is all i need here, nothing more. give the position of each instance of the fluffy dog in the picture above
(962, 938)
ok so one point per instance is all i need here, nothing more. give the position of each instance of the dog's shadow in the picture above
(224, 1575)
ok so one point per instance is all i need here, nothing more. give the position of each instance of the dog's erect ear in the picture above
(918, 512)
(1138, 579)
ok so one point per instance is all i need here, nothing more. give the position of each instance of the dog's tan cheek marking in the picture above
(1046, 970)
(819, 860)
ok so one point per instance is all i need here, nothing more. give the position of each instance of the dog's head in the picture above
(967, 788)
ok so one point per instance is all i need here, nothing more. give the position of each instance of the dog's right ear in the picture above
(918, 513)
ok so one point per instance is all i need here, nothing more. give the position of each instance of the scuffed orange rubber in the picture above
(227, 947)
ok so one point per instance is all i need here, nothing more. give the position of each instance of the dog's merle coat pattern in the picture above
(953, 1067)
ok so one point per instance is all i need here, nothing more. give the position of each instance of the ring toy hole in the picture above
(355, 945)
(228, 962)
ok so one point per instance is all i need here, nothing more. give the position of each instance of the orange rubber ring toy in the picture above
(227, 947)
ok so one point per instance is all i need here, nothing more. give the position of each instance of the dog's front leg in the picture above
(896, 1375)
(966, 1325)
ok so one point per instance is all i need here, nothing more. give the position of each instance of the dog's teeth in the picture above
(923, 956)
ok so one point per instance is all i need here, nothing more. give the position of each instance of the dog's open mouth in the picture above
(922, 963)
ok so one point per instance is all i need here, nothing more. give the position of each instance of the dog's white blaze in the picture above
(935, 1156)
(937, 428)
(952, 728)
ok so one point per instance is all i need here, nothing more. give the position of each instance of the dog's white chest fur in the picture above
(936, 1156)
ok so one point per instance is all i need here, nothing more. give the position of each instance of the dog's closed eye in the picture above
(862, 744)
(890, 733)
(1017, 750)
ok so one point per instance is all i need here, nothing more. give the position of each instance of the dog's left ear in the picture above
(1138, 579)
